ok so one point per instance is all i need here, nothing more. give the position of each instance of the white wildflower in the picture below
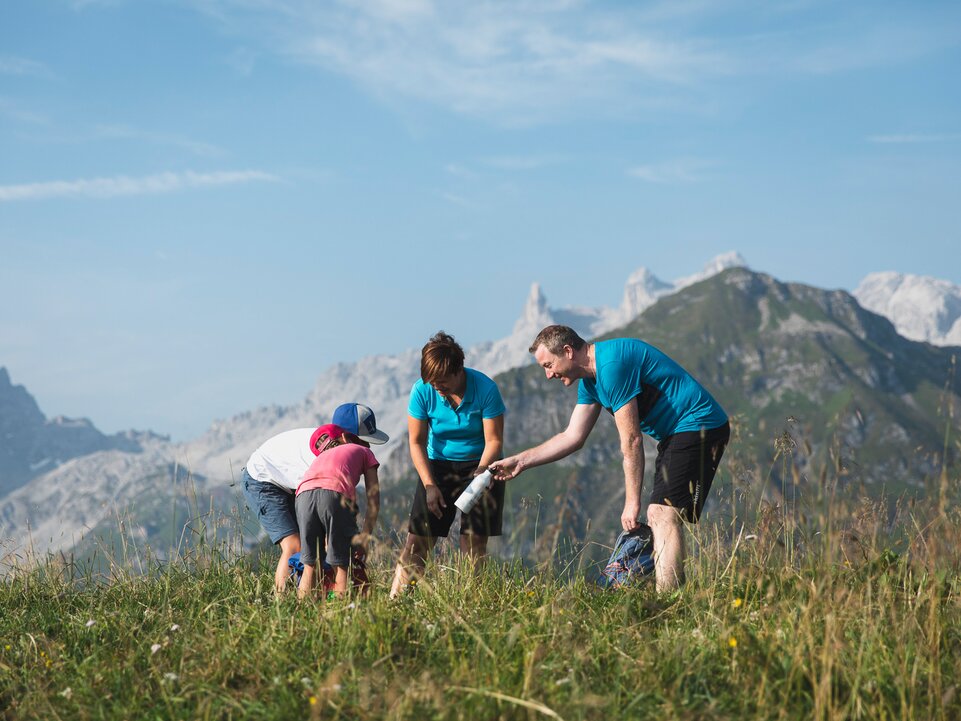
(171, 677)
(90, 623)
(156, 647)
(175, 627)
(67, 693)
(306, 682)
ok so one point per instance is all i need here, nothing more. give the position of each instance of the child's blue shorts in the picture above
(273, 506)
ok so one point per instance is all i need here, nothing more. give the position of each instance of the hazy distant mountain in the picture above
(383, 382)
(921, 308)
(107, 475)
(63, 505)
(31, 444)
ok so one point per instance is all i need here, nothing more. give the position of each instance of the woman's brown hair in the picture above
(442, 356)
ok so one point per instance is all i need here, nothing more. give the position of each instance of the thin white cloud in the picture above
(10, 65)
(12, 109)
(520, 162)
(243, 60)
(81, 5)
(126, 132)
(516, 62)
(122, 185)
(534, 61)
(459, 171)
(912, 138)
(458, 200)
(862, 42)
(681, 171)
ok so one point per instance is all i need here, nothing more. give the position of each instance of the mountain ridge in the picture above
(214, 459)
(33, 443)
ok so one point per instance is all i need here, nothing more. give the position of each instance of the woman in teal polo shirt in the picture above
(456, 429)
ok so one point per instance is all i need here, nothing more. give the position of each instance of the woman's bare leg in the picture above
(410, 565)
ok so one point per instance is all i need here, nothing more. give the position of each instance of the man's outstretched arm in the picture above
(563, 444)
(632, 449)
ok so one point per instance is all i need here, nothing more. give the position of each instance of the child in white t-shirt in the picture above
(326, 504)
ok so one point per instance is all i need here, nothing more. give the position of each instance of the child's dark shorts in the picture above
(452, 477)
(685, 468)
(328, 524)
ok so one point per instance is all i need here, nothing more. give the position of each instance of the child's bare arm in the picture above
(372, 488)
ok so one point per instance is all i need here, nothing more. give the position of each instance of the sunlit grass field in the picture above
(853, 615)
(805, 599)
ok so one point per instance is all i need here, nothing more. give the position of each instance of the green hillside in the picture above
(817, 387)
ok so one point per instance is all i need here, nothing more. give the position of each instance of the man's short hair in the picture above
(442, 356)
(555, 337)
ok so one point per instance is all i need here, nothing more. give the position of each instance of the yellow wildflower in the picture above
(732, 642)
(737, 602)
(313, 700)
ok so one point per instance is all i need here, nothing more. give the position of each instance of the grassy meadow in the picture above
(819, 609)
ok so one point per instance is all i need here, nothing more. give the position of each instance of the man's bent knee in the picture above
(659, 515)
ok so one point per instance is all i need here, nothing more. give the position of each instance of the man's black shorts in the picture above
(685, 467)
(452, 477)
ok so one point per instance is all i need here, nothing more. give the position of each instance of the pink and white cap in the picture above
(331, 431)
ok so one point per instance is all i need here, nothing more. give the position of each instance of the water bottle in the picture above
(468, 499)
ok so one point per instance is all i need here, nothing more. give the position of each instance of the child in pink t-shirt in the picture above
(326, 504)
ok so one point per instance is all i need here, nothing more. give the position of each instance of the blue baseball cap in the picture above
(359, 419)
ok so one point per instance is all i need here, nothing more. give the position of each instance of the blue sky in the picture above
(203, 204)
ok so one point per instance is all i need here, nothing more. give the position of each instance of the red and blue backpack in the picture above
(631, 560)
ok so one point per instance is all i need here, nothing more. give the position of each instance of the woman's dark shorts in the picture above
(273, 506)
(685, 468)
(452, 477)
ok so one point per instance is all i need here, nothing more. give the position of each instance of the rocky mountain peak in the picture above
(535, 314)
(31, 444)
(641, 291)
(718, 264)
(922, 308)
(18, 409)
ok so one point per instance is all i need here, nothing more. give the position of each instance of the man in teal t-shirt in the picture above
(646, 392)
